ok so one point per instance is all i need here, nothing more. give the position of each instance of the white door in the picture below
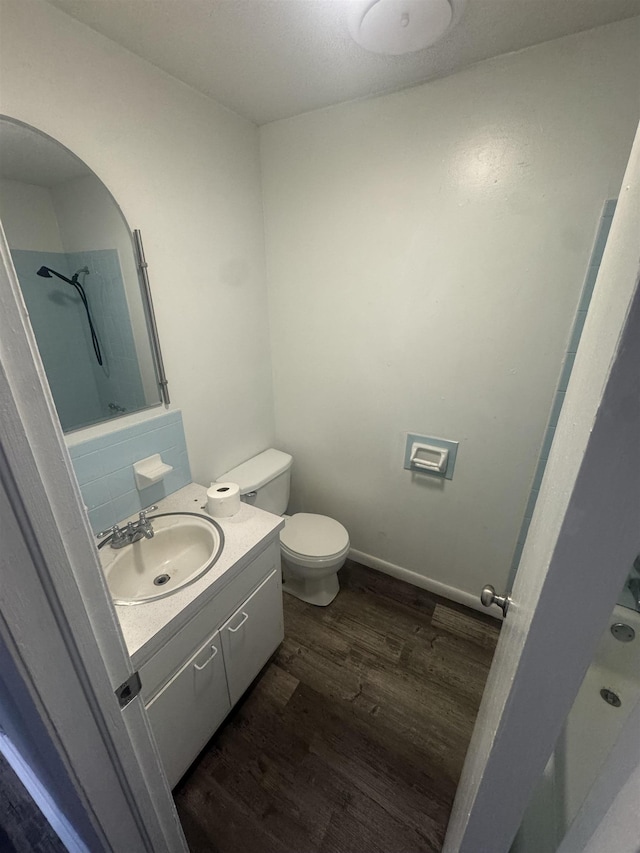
(583, 538)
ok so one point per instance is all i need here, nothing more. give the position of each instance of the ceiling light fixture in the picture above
(395, 27)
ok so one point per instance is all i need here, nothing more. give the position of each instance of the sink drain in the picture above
(610, 697)
(161, 580)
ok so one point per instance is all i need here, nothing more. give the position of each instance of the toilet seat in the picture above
(314, 538)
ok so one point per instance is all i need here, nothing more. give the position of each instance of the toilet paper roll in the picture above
(223, 499)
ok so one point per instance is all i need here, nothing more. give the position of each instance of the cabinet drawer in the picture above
(157, 670)
(188, 709)
(252, 634)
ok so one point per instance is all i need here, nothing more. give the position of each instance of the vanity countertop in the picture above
(148, 625)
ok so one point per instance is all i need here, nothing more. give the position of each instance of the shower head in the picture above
(47, 272)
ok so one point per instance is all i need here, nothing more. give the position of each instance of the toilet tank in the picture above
(268, 475)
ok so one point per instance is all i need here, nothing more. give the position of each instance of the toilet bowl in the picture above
(313, 547)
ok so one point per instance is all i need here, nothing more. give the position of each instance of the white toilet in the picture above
(313, 547)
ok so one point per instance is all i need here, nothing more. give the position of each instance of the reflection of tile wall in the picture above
(118, 380)
(81, 387)
(104, 468)
(60, 327)
(565, 373)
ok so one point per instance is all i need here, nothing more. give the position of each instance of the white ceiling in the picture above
(270, 59)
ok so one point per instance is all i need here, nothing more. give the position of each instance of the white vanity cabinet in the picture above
(191, 683)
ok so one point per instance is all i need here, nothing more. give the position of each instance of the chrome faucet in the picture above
(634, 586)
(134, 531)
(144, 526)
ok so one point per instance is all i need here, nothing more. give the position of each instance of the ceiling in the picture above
(271, 59)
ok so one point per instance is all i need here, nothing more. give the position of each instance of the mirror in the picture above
(85, 289)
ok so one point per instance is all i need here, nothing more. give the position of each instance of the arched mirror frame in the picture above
(138, 260)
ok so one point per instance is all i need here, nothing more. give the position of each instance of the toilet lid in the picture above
(314, 535)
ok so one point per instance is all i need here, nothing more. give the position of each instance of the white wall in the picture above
(186, 172)
(425, 253)
(28, 217)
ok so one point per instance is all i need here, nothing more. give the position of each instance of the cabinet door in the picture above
(161, 666)
(252, 634)
(189, 708)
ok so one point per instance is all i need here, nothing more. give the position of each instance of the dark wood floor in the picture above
(23, 827)
(352, 739)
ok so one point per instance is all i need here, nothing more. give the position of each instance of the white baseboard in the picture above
(436, 587)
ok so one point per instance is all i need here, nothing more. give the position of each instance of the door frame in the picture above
(582, 541)
(61, 647)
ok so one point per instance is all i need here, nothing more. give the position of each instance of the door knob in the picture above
(488, 597)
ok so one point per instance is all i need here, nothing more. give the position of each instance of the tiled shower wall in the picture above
(104, 468)
(567, 367)
(120, 382)
(82, 388)
(58, 320)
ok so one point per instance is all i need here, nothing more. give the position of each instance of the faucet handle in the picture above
(143, 513)
(112, 531)
(117, 536)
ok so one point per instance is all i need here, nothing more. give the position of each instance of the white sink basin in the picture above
(183, 548)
